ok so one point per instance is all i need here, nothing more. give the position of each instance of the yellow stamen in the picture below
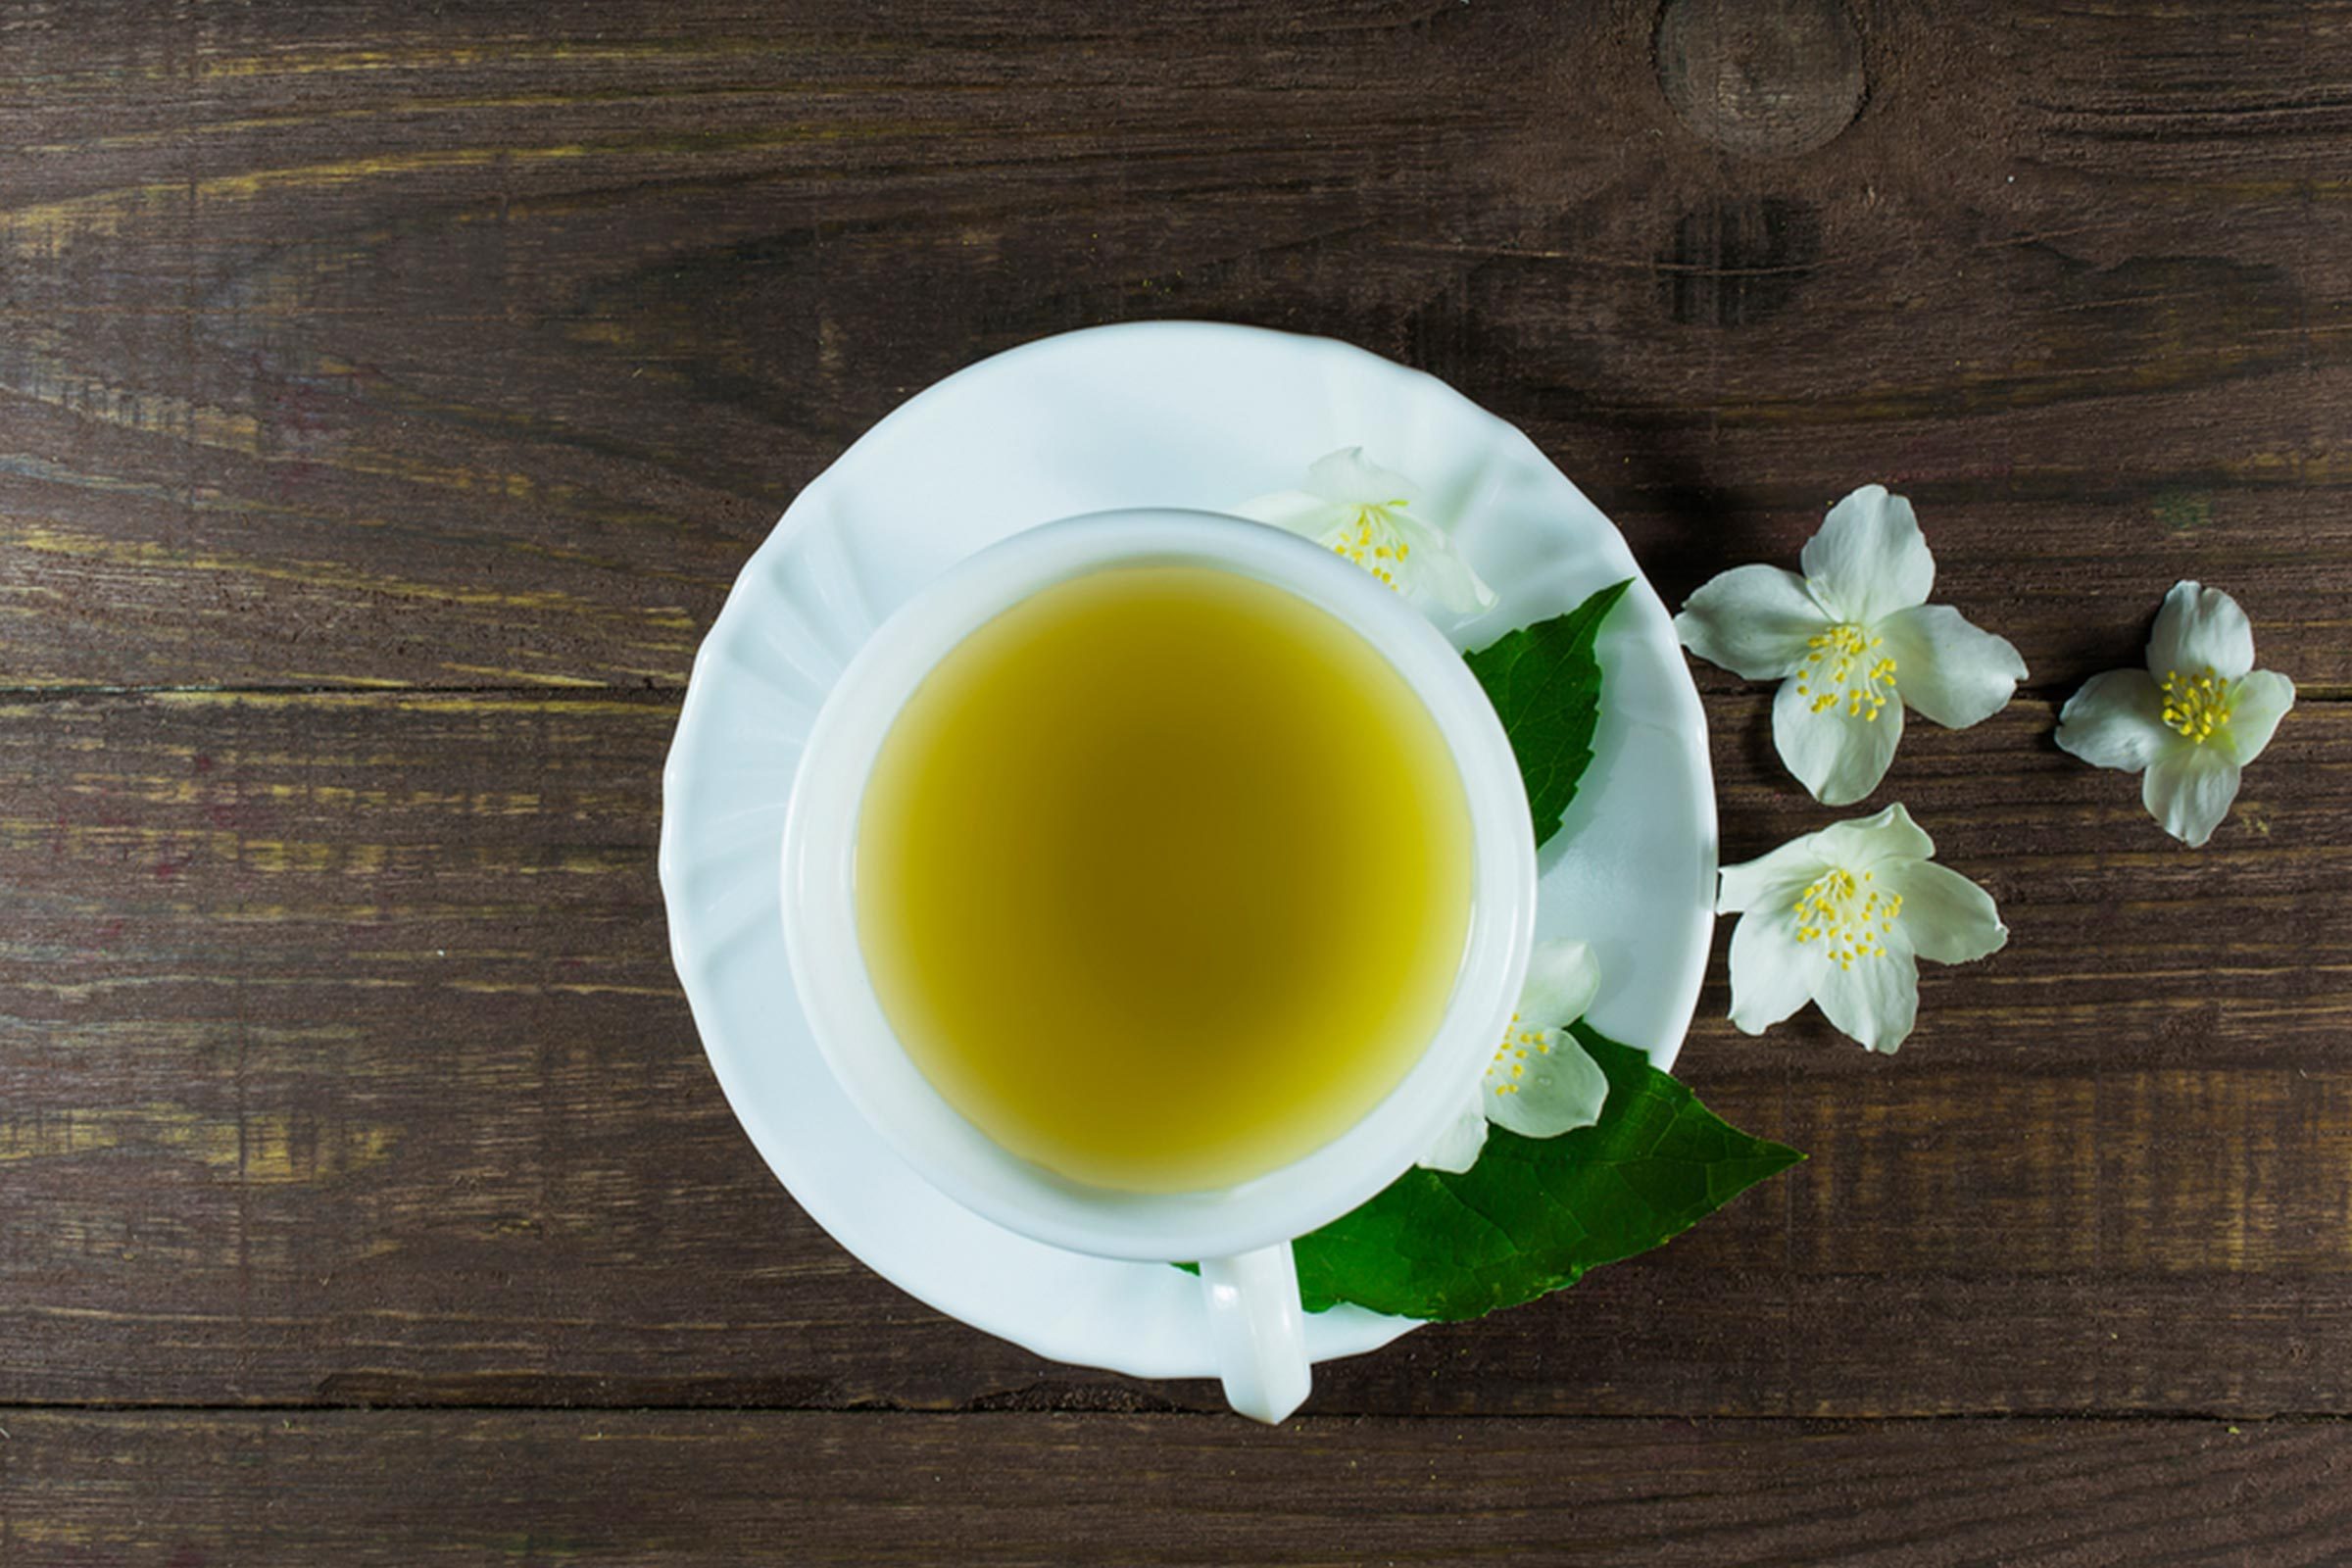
(2197, 707)
(1511, 1055)
(1369, 542)
(1839, 669)
(1851, 920)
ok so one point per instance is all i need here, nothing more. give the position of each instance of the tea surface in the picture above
(1163, 877)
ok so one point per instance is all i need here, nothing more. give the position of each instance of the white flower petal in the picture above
(2257, 704)
(1871, 556)
(2189, 788)
(2198, 629)
(1773, 974)
(1955, 673)
(1437, 566)
(1868, 841)
(2116, 720)
(1562, 979)
(1874, 1000)
(1770, 879)
(1295, 510)
(1359, 508)
(1752, 620)
(1945, 916)
(1347, 476)
(1838, 755)
(1457, 1147)
(1558, 1090)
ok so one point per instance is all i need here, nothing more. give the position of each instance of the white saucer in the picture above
(1176, 414)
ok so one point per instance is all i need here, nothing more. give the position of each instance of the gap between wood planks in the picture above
(670, 693)
(665, 694)
(1013, 1406)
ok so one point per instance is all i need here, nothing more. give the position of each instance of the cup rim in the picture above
(880, 1078)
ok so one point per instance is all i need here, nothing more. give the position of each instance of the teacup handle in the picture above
(1259, 1331)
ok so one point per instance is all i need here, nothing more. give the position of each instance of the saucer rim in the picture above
(1345, 1330)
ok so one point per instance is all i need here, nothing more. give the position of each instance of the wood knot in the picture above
(1769, 78)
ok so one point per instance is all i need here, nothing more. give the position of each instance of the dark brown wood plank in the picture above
(340, 1061)
(341, 348)
(420, 1487)
(460, 359)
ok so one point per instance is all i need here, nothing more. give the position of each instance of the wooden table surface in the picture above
(388, 398)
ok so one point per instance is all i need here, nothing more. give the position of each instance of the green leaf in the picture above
(1544, 682)
(1534, 1214)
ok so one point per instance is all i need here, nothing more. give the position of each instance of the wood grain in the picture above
(340, 1059)
(616, 1487)
(341, 350)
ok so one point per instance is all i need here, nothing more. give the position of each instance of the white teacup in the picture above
(1239, 1235)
